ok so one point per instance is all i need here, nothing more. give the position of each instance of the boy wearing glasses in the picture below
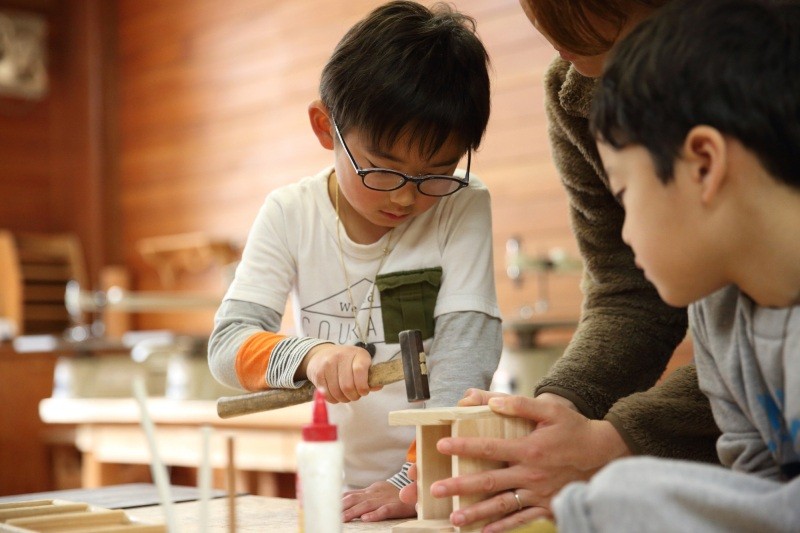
(391, 237)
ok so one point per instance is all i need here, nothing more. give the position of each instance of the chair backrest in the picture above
(10, 280)
(34, 291)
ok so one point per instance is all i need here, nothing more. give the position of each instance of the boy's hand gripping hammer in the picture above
(411, 367)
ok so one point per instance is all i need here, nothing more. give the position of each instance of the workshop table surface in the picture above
(253, 513)
(140, 501)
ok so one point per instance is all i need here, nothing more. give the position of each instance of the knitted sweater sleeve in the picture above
(626, 333)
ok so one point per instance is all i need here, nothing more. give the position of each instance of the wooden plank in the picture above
(489, 427)
(432, 466)
(38, 510)
(438, 416)
(442, 525)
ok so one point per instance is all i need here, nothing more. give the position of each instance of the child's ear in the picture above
(705, 150)
(321, 123)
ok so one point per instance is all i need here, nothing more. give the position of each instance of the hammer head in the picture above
(415, 368)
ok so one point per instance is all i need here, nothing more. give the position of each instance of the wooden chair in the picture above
(10, 280)
(34, 271)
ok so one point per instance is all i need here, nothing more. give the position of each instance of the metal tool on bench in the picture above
(411, 367)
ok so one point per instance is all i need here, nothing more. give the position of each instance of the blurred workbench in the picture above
(108, 435)
(25, 379)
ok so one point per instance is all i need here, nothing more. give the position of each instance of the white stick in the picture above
(204, 477)
(157, 468)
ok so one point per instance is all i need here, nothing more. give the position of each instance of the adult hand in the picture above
(379, 501)
(340, 371)
(565, 446)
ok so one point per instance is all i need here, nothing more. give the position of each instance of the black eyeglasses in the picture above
(384, 179)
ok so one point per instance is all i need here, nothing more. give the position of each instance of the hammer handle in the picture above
(254, 402)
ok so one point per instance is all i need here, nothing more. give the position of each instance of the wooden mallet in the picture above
(411, 367)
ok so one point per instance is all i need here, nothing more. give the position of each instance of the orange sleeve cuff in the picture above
(411, 454)
(252, 359)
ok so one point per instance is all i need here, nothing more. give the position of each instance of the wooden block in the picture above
(424, 526)
(517, 427)
(59, 522)
(489, 427)
(434, 424)
(57, 516)
(432, 466)
(41, 510)
(438, 416)
(29, 503)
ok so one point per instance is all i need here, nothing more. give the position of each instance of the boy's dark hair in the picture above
(406, 68)
(568, 22)
(733, 65)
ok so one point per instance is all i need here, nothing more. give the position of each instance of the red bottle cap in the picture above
(319, 429)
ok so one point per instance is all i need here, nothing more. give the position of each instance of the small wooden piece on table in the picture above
(231, 487)
(55, 516)
(434, 424)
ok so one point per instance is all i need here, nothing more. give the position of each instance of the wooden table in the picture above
(107, 433)
(253, 513)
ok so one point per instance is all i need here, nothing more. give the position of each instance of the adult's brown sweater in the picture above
(626, 333)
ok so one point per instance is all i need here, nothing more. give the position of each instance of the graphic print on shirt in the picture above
(782, 442)
(331, 318)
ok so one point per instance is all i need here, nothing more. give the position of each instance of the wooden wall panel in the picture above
(54, 154)
(56, 171)
(213, 100)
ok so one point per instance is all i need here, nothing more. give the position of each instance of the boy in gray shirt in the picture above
(698, 125)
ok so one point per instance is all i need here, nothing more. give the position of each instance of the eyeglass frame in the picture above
(416, 180)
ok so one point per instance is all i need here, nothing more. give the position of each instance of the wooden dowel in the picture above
(204, 477)
(231, 488)
(157, 468)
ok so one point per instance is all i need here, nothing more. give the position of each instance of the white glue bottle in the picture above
(320, 463)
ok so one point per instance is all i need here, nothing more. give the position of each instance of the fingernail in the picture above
(438, 491)
(457, 518)
(497, 402)
(445, 446)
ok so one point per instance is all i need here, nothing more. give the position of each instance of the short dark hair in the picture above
(567, 21)
(733, 65)
(406, 68)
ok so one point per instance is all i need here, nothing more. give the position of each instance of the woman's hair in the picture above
(410, 69)
(568, 22)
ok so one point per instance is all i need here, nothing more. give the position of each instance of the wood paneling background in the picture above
(56, 175)
(57, 169)
(212, 117)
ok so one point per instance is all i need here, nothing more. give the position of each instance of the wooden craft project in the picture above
(61, 516)
(433, 424)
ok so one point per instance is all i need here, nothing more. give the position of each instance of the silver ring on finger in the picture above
(519, 503)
